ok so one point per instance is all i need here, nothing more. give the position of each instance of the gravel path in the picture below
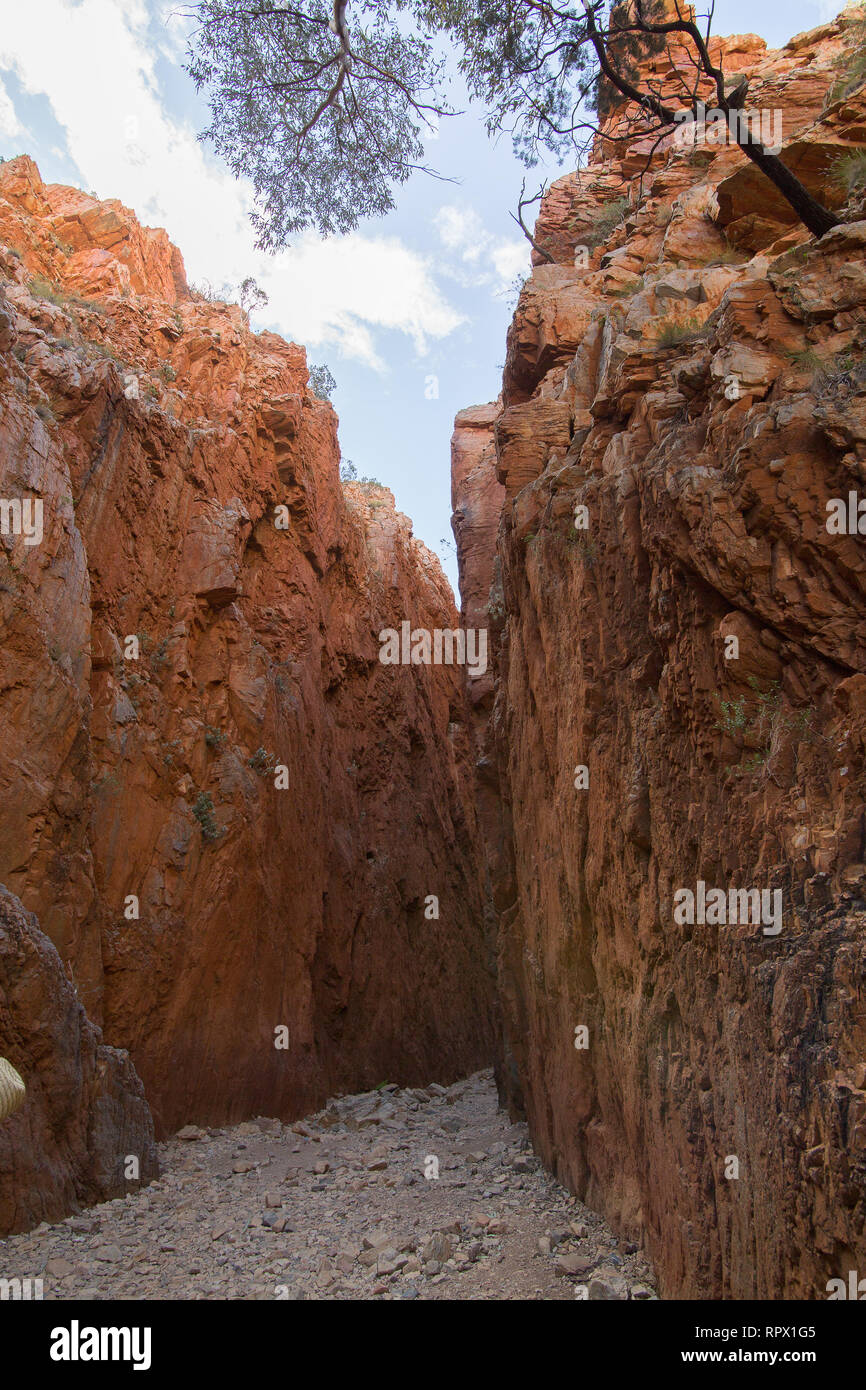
(337, 1206)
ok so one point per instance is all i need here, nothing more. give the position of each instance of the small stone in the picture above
(323, 1166)
(379, 1240)
(571, 1265)
(606, 1285)
(438, 1249)
(190, 1133)
(58, 1268)
(108, 1253)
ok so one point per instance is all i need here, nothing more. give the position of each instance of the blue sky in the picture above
(410, 312)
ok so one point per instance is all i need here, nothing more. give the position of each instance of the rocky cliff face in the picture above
(85, 1133)
(229, 817)
(680, 696)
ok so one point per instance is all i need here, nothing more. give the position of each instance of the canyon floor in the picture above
(337, 1206)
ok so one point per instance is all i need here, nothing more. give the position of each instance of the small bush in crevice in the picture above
(261, 762)
(682, 331)
(203, 812)
(853, 64)
(849, 170)
(160, 654)
(605, 222)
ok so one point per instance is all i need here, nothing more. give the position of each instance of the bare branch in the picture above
(524, 202)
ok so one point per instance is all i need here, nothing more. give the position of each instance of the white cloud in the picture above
(9, 123)
(483, 258)
(461, 230)
(511, 258)
(172, 29)
(129, 146)
(331, 290)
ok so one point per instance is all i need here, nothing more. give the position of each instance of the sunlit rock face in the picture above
(680, 698)
(252, 843)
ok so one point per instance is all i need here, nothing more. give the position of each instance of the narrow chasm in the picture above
(353, 946)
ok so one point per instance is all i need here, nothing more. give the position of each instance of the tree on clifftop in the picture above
(324, 106)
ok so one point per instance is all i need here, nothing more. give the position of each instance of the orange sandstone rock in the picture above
(680, 696)
(229, 816)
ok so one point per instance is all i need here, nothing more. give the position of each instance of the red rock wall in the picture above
(161, 436)
(702, 403)
(84, 1116)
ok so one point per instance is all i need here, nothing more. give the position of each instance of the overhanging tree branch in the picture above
(522, 203)
(323, 104)
(813, 214)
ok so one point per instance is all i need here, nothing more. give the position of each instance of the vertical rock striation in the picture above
(229, 816)
(677, 619)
